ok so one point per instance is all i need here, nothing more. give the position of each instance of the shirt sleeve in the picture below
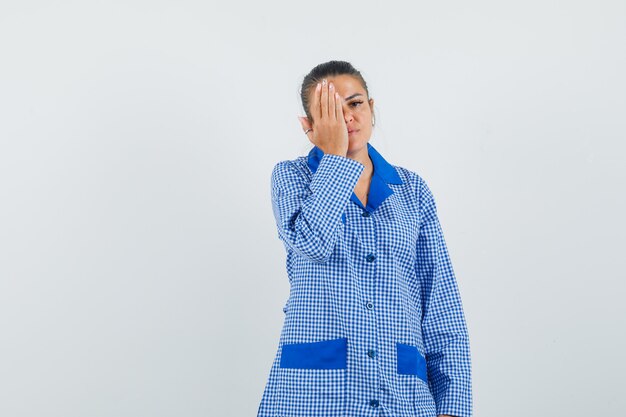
(446, 339)
(308, 213)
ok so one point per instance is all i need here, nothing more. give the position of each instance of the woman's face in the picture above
(357, 110)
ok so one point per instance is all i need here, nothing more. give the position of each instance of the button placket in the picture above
(369, 279)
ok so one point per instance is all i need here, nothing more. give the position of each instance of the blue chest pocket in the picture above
(327, 354)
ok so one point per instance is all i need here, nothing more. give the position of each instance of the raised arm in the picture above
(308, 213)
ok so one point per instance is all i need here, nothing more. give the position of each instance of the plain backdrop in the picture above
(140, 269)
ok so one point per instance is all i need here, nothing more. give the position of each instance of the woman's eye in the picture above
(356, 102)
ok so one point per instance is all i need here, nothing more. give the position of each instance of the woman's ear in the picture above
(304, 121)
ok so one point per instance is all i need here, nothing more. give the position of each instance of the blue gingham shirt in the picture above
(374, 324)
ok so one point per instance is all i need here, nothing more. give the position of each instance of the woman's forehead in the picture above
(347, 82)
(346, 85)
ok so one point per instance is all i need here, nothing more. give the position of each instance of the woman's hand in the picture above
(330, 132)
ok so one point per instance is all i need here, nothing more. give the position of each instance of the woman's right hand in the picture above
(330, 132)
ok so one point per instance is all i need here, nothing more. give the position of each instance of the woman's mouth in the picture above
(350, 132)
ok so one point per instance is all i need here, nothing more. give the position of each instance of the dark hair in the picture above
(321, 71)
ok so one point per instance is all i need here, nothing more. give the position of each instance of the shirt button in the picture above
(370, 257)
(369, 305)
(374, 403)
(371, 353)
(365, 214)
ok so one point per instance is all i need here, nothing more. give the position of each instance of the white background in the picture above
(140, 269)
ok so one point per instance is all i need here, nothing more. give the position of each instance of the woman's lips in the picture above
(350, 132)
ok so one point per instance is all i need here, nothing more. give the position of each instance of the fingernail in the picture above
(324, 81)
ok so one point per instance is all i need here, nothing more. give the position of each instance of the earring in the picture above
(373, 121)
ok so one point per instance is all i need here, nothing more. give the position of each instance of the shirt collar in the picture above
(384, 174)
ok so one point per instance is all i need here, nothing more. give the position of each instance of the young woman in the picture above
(374, 324)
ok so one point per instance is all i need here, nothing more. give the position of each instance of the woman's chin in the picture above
(355, 144)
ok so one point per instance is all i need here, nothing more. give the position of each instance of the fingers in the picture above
(332, 99)
(338, 107)
(324, 99)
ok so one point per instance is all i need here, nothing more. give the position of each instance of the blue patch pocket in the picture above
(411, 361)
(327, 354)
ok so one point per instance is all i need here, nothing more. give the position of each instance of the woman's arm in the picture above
(443, 323)
(308, 214)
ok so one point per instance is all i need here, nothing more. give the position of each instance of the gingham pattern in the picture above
(404, 292)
